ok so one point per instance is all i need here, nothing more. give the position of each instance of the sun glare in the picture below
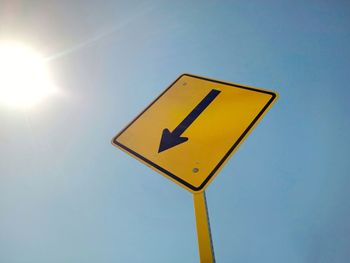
(24, 77)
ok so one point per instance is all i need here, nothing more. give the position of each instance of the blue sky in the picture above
(67, 195)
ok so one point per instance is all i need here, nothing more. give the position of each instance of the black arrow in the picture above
(170, 139)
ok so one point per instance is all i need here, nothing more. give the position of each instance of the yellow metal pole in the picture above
(205, 245)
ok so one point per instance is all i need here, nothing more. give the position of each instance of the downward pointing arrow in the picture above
(170, 139)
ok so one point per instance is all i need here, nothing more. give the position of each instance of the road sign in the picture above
(193, 127)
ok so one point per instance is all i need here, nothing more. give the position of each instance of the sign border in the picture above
(234, 147)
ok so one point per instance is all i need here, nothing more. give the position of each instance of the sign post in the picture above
(190, 131)
(205, 243)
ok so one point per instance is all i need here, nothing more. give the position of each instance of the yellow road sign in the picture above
(193, 127)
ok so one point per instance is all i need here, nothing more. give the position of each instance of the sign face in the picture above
(193, 127)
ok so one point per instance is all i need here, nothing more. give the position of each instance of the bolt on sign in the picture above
(192, 128)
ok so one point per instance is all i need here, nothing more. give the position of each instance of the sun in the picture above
(24, 76)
